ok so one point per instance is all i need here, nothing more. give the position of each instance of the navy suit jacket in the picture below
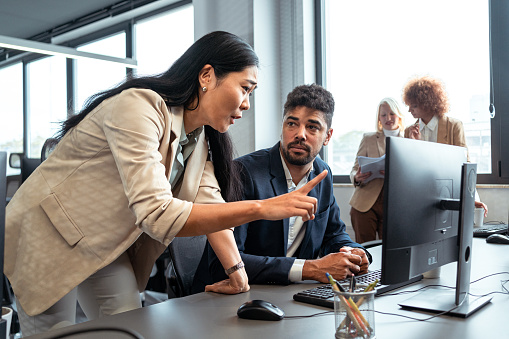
(263, 243)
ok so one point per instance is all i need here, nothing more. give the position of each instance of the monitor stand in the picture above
(457, 303)
(442, 301)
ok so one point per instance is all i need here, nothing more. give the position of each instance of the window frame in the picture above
(499, 78)
(125, 26)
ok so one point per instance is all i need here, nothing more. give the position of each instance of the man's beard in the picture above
(298, 161)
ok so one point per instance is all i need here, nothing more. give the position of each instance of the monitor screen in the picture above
(418, 235)
(429, 194)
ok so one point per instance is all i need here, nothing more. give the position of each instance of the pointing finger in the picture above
(312, 183)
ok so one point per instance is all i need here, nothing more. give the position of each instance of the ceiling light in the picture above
(68, 52)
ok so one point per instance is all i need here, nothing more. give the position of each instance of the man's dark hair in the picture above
(312, 96)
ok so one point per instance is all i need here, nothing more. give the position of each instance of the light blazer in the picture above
(104, 190)
(450, 132)
(263, 243)
(364, 196)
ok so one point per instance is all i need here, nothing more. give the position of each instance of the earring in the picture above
(204, 89)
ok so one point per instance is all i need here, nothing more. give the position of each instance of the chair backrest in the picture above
(185, 254)
(48, 147)
(28, 165)
(371, 243)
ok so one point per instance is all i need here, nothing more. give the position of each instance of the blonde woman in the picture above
(367, 200)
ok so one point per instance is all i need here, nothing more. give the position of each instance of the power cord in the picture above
(487, 276)
(292, 317)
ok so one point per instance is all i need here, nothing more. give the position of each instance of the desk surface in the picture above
(211, 315)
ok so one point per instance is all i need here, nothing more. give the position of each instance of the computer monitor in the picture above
(429, 191)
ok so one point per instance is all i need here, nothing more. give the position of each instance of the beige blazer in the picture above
(450, 132)
(104, 190)
(365, 195)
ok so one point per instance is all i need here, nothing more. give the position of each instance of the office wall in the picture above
(281, 36)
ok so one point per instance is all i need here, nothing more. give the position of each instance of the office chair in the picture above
(48, 147)
(372, 243)
(28, 165)
(185, 255)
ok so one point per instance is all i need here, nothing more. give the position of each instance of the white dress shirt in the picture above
(297, 228)
(429, 131)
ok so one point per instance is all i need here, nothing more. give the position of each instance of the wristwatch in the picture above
(234, 268)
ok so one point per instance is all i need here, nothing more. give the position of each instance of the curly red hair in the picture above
(428, 93)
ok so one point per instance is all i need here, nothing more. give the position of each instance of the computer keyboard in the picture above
(324, 296)
(486, 230)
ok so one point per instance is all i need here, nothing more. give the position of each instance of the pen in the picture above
(335, 286)
(371, 286)
(352, 311)
(368, 288)
(361, 300)
(352, 283)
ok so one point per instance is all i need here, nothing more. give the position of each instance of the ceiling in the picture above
(27, 18)
(43, 20)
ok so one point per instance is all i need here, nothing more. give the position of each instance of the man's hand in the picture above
(340, 265)
(360, 252)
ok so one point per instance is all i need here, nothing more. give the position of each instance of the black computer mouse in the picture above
(260, 310)
(498, 239)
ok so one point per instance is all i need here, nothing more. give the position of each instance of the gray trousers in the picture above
(111, 290)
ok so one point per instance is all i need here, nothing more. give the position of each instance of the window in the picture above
(46, 101)
(93, 76)
(11, 111)
(162, 39)
(374, 47)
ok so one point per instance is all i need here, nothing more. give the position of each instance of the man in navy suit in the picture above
(289, 250)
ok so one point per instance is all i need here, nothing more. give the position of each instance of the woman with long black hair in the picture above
(142, 163)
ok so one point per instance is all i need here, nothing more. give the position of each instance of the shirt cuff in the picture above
(295, 274)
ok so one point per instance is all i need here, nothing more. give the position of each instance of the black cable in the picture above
(308, 316)
(429, 318)
(70, 332)
(487, 276)
(487, 294)
(413, 291)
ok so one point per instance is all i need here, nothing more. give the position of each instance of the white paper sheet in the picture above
(373, 165)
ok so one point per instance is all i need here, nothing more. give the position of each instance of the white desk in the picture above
(210, 315)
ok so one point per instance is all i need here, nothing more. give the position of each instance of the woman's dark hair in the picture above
(179, 86)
